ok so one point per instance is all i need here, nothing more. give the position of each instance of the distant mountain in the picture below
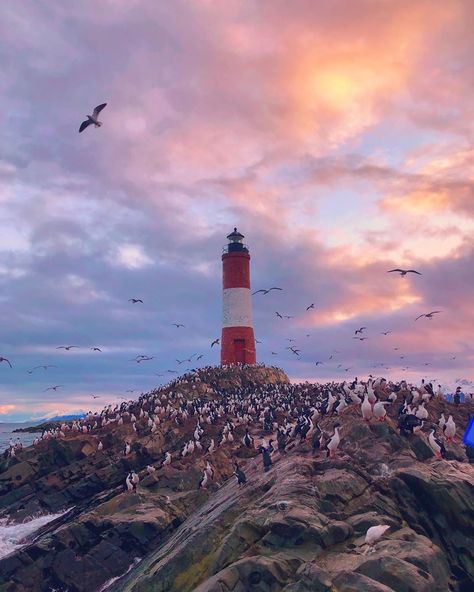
(76, 415)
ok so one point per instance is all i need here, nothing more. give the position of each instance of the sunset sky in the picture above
(337, 136)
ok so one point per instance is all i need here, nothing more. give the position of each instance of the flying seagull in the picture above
(96, 349)
(428, 315)
(95, 396)
(44, 367)
(135, 300)
(67, 347)
(92, 119)
(2, 359)
(265, 292)
(317, 363)
(177, 325)
(385, 332)
(199, 357)
(403, 272)
(360, 338)
(54, 388)
(278, 315)
(359, 330)
(215, 342)
(310, 306)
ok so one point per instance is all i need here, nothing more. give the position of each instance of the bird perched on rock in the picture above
(92, 119)
(100, 446)
(239, 474)
(167, 461)
(374, 534)
(332, 445)
(247, 440)
(450, 429)
(421, 412)
(366, 408)
(436, 445)
(150, 470)
(267, 461)
(380, 411)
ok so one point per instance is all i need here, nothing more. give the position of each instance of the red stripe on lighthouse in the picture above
(236, 270)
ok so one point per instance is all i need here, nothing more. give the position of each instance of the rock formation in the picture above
(299, 527)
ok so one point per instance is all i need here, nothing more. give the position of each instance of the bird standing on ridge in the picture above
(92, 119)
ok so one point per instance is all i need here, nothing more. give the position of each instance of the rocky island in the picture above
(298, 526)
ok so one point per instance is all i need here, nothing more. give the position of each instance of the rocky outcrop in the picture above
(299, 527)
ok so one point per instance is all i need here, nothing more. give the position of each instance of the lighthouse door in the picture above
(239, 349)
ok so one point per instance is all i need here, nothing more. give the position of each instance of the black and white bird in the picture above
(247, 440)
(240, 475)
(436, 445)
(92, 119)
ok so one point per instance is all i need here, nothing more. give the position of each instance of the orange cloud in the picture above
(4, 409)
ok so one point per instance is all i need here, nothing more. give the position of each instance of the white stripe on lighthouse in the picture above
(237, 311)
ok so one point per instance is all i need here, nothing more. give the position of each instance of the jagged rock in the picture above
(299, 527)
(259, 574)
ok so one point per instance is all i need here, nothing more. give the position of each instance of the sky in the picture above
(337, 136)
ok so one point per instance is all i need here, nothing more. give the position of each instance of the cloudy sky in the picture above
(337, 136)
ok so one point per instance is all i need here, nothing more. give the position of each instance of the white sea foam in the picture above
(12, 536)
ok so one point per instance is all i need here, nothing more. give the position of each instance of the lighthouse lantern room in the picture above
(238, 342)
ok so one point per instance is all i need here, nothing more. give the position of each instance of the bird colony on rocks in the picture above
(231, 478)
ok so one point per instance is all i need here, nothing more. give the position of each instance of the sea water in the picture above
(12, 536)
(7, 433)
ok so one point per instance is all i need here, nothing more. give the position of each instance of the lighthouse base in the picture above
(238, 346)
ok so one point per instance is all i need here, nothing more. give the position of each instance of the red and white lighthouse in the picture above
(238, 342)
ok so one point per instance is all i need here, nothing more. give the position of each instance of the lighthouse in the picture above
(238, 342)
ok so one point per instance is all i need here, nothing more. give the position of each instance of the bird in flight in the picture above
(290, 340)
(428, 315)
(359, 330)
(385, 332)
(44, 367)
(92, 119)
(257, 341)
(95, 396)
(67, 347)
(159, 374)
(265, 292)
(278, 315)
(54, 388)
(177, 325)
(143, 359)
(274, 353)
(403, 272)
(199, 357)
(360, 338)
(135, 300)
(2, 359)
(295, 351)
(317, 363)
(96, 349)
(287, 317)
(172, 371)
(215, 342)
(310, 306)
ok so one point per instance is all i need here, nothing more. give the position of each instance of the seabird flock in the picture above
(197, 419)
